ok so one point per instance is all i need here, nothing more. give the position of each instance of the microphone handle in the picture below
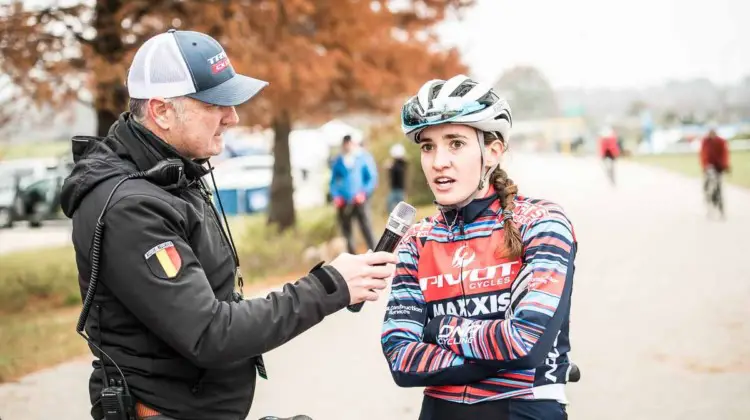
(388, 242)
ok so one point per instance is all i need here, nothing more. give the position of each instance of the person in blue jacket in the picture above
(354, 177)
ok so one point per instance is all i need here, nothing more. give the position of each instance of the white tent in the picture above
(335, 130)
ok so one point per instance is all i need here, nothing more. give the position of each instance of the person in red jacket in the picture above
(714, 157)
(714, 152)
(609, 151)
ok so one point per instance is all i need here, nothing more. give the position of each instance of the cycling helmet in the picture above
(459, 100)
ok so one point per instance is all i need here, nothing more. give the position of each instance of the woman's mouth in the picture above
(443, 183)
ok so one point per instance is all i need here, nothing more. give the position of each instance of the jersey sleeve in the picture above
(540, 302)
(412, 362)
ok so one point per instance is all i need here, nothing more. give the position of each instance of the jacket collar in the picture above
(146, 149)
(473, 210)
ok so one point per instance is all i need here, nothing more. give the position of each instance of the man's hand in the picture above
(365, 273)
(360, 198)
(339, 202)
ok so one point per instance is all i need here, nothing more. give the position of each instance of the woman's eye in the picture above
(457, 144)
(426, 147)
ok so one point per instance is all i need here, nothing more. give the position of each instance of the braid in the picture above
(506, 191)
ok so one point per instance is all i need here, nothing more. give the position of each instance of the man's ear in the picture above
(158, 112)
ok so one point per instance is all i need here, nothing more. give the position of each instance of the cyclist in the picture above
(609, 151)
(714, 158)
(479, 307)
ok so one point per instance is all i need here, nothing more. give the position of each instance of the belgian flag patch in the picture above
(163, 260)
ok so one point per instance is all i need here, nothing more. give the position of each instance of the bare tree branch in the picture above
(59, 14)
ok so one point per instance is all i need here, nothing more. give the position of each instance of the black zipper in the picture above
(461, 274)
(198, 385)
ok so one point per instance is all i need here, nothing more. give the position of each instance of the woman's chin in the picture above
(447, 198)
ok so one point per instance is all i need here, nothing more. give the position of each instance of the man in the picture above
(397, 175)
(714, 156)
(353, 180)
(166, 309)
(609, 151)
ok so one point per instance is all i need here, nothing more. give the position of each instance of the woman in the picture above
(478, 311)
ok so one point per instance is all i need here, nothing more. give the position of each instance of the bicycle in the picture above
(609, 168)
(712, 192)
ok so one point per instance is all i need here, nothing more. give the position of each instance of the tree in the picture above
(528, 92)
(321, 57)
(324, 58)
(58, 54)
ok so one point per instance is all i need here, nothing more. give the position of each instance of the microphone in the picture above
(399, 222)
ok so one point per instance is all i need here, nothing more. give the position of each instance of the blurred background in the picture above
(657, 75)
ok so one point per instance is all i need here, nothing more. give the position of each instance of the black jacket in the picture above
(165, 308)
(397, 173)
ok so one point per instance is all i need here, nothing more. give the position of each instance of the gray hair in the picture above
(138, 107)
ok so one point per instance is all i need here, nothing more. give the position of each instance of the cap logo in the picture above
(219, 62)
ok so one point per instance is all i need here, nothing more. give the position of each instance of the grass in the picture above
(32, 341)
(33, 149)
(33, 280)
(40, 298)
(688, 164)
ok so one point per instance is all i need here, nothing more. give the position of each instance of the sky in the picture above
(606, 43)
(600, 43)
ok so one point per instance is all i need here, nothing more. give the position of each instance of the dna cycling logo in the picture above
(450, 335)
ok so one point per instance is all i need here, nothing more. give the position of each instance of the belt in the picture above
(141, 411)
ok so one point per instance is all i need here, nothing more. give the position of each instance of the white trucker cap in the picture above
(188, 63)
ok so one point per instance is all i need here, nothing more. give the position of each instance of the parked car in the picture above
(8, 190)
(30, 190)
(39, 201)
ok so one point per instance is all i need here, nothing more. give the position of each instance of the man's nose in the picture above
(230, 116)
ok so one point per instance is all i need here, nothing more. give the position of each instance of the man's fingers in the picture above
(380, 257)
(379, 271)
(370, 283)
(371, 296)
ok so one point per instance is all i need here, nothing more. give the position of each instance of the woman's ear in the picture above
(493, 153)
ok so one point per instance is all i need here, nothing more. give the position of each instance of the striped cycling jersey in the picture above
(471, 325)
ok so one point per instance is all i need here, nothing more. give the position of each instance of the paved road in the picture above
(659, 323)
(22, 237)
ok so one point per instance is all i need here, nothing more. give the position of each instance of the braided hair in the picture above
(506, 191)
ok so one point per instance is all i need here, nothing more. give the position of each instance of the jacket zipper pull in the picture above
(241, 282)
